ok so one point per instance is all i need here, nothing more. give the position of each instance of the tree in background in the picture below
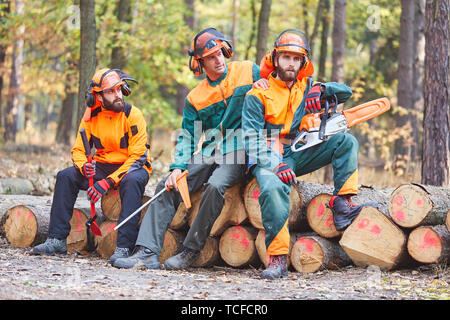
(263, 28)
(436, 122)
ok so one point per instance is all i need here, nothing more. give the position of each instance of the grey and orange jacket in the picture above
(277, 112)
(118, 137)
(214, 108)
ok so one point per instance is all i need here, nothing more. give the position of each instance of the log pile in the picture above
(410, 226)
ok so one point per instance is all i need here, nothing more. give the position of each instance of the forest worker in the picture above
(117, 130)
(270, 120)
(213, 107)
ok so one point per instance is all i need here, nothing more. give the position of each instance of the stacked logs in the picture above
(410, 225)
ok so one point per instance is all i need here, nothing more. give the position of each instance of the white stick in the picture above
(139, 209)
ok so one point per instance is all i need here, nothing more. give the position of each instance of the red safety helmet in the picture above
(206, 42)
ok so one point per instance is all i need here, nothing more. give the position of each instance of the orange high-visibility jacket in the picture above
(118, 138)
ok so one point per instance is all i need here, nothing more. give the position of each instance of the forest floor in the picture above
(79, 277)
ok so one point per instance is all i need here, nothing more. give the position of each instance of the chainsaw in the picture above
(316, 128)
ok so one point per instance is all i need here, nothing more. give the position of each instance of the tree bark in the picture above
(123, 15)
(5, 10)
(337, 73)
(173, 243)
(405, 86)
(436, 121)
(324, 40)
(252, 31)
(209, 255)
(430, 244)
(64, 129)
(263, 29)
(88, 59)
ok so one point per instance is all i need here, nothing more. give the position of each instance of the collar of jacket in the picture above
(218, 80)
(281, 83)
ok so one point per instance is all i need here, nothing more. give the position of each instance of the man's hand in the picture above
(88, 169)
(285, 173)
(171, 181)
(312, 99)
(261, 84)
(99, 189)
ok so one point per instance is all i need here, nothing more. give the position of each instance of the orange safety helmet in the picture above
(206, 42)
(290, 40)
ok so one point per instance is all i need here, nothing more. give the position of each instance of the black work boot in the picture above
(345, 211)
(119, 253)
(277, 268)
(50, 247)
(182, 260)
(142, 257)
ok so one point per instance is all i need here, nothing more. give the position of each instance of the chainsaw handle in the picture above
(86, 145)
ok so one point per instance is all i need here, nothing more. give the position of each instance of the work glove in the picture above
(285, 173)
(312, 99)
(88, 169)
(98, 189)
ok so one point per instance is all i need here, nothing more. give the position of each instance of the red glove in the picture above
(285, 173)
(99, 189)
(88, 170)
(312, 99)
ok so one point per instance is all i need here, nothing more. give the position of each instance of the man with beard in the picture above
(117, 130)
(270, 120)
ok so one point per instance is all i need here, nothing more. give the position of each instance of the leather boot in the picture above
(345, 211)
(182, 260)
(277, 267)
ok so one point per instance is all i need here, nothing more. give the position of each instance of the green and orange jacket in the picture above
(277, 112)
(214, 108)
(118, 137)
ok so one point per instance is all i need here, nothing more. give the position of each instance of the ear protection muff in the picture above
(126, 91)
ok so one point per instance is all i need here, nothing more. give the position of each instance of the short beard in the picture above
(286, 75)
(116, 106)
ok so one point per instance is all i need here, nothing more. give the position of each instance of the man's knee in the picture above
(139, 177)
(70, 173)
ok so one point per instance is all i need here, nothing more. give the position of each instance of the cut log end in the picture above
(409, 205)
(173, 242)
(447, 220)
(237, 246)
(19, 226)
(107, 242)
(320, 217)
(77, 239)
(111, 204)
(429, 244)
(372, 239)
(209, 255)
(307, 255)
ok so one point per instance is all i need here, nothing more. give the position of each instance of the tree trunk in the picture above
(315, 31)
(373, 239)
(297, 218)
(15, 96)
(234, 26)
(88, 59)
(430, 244)
(237, 247)
(418, 77)
(4, 13)
(123, 15)
(189, 20)
(412, 205)
(252, 30)
(311, 253)
(263, 29)
(405, 85)
(324, 41)
(64, 129)
(233, 211)
(436, 121)
(337, 73)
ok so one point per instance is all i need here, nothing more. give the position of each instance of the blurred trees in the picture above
(150, 38)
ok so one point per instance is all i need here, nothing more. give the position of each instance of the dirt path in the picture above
(76, 277)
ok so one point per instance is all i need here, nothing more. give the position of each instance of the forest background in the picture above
(49, 51)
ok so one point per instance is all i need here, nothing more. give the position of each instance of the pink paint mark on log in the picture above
(313, 201)
(307, 243)
(109, 228)
(18, 213)
(363, 223)
(375, 229)
(399, 215)
(79, 227)
(115, 192)
(239, 235)
(329, 222)
(429, 241)
(419, 202)
(78, 216)
(320, 210)
(398, 200)
(256, 194)
(29, 216)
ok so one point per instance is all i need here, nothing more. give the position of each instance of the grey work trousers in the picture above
(216, 178)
